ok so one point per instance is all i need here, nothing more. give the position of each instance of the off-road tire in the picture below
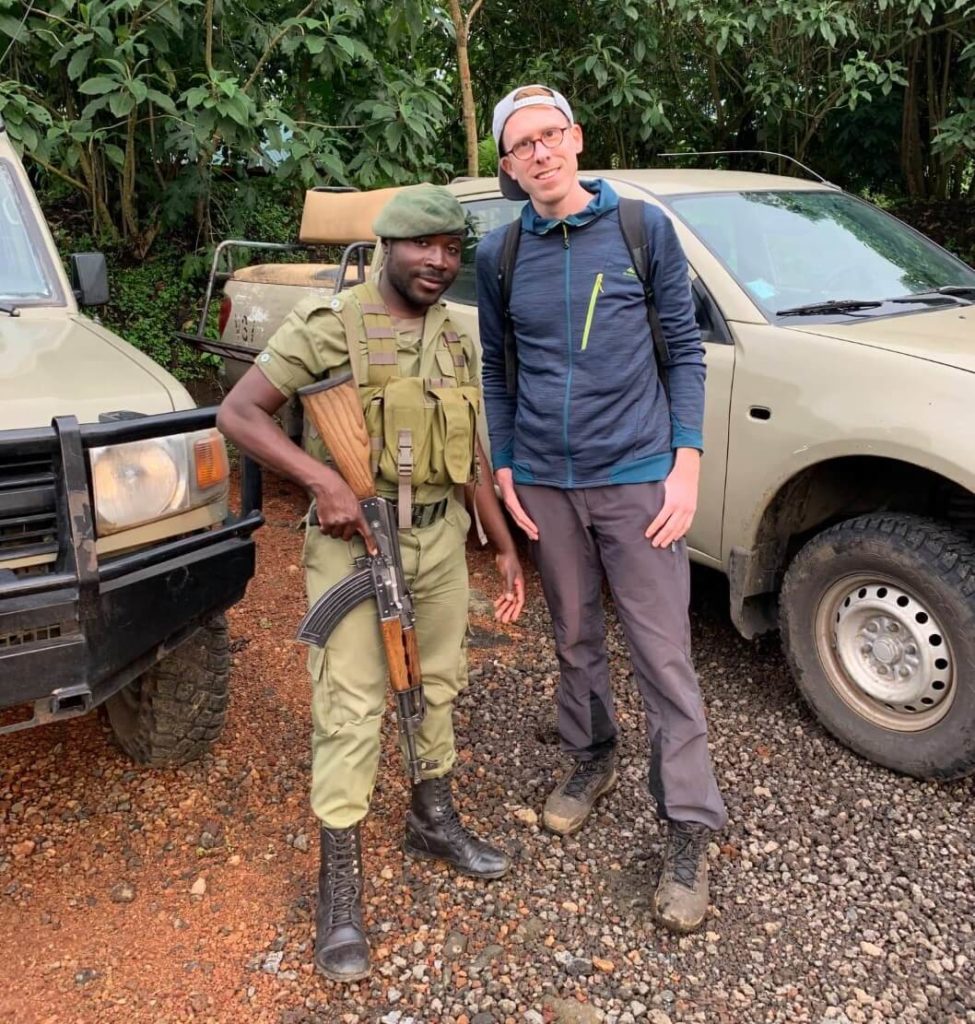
(175, 710)
(925, 572)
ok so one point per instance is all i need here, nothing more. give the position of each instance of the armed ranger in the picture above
(333, 407)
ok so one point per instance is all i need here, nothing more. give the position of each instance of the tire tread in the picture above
(182, 701)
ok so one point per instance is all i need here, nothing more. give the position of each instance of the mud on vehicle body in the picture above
(118, 555)
(838, 479)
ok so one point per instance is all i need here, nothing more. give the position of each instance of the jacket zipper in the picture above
(596, 291)
(569, 352)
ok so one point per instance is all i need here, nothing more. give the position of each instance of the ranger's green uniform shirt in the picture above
(349, 675)
(312, 343)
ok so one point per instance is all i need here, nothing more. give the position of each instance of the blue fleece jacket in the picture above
(590, 409)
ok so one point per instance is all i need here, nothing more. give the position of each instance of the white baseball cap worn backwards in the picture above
(510, 188)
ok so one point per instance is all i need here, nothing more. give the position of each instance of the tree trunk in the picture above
(462, 33)
(130, 213)
(912, 159)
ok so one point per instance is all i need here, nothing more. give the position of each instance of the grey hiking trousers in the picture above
(582, 534)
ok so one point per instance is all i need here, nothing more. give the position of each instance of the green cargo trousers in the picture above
(349, 676)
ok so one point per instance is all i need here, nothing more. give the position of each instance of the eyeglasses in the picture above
(551, 138)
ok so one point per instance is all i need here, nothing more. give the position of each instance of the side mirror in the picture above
(713, 326)
(701, 315)
(89, 278)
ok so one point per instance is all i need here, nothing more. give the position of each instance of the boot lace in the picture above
(453, 827)
(685, 850)
(583, 776)
(344, 874)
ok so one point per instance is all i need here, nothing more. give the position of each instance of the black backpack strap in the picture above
(506, 271)
(634, 228)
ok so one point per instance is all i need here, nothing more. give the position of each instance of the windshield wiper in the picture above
(830, 306)
(10, 310)
(954, 293)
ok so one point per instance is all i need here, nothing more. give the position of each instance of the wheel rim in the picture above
(886, 653)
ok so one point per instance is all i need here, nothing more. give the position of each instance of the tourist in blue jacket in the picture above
(597, 459)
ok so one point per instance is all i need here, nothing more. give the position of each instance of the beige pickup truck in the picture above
(838, 482)
(118, 551)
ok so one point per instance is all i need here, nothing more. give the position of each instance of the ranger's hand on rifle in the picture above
(246, 417)
(339, 512)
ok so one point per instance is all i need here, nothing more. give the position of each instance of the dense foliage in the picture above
(874, 93)
(140, 105)
(162, 125)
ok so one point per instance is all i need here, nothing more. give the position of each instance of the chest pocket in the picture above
(442, 423)
(455, 430)
(458, 405)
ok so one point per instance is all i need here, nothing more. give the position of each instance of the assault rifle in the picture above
(334, 409)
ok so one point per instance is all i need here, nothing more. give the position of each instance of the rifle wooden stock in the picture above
(402, 656)
(334, 408)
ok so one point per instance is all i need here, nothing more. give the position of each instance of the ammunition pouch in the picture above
(441, 419)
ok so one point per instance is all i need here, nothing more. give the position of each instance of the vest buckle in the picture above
(404, 472)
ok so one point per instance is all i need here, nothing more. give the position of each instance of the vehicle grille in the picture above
(23, 637)
(28, 520)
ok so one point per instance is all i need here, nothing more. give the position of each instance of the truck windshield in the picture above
(798, 249)
(26, 275)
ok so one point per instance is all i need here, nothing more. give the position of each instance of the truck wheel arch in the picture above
(819, 496)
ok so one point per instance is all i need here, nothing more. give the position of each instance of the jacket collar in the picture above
(604, 199)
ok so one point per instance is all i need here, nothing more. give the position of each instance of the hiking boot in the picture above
(681, 899)
(572, 800)
(434, 832)
(341, 949)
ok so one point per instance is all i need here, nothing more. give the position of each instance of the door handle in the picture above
(759, 412)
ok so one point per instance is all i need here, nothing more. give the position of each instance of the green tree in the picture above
(819, 80)
(139, 104)
(461, 20)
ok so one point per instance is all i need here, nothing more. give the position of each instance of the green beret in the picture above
(418, 211)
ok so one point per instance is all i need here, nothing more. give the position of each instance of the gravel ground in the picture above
(840, 892)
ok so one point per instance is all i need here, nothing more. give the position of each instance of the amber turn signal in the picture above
(210, 457)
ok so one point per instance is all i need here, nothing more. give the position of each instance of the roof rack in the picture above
(760, 152)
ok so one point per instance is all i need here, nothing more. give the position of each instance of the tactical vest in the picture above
(422, 429)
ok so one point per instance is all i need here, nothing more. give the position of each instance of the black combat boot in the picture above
(341, 950)
(434, 831)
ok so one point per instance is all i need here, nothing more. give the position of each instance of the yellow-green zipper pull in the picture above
(596, 290)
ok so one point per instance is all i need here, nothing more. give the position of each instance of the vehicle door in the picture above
(707, 286)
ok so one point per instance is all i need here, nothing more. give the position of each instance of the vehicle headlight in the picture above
(142, 481)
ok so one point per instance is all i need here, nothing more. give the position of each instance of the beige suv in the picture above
(838, 482)
(118, 554)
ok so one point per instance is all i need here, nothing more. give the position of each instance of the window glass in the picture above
(482, 215)
(25, 273)
(793, 248)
